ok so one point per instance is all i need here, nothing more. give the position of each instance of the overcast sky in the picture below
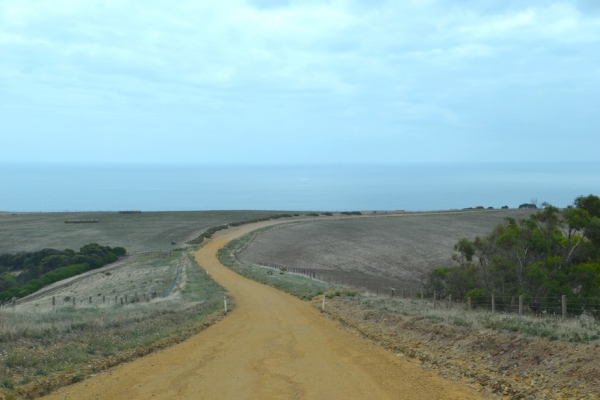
(299, 82)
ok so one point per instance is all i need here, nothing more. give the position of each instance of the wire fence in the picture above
(102, 300)
(93, 301)
(562, 306)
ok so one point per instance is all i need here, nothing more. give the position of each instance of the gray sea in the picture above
(413, 187)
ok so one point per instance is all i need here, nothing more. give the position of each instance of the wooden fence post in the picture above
(225, 303)
(392, 290)
(53, 301)
(493, 303)
(323, 307)
(520, 304)
(564, 306)
(90, 300)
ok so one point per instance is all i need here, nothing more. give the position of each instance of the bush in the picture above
(47, 266)
(8, 384)
(527, 205)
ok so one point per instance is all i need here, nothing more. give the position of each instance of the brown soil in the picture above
(272, 346)
(508, 365)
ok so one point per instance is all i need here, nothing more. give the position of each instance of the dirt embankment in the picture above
(507, 365)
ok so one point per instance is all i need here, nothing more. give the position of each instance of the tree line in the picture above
(552, 253)
(24, 273)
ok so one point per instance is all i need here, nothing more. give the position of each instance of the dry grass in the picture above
(37, 340)
(135, 232)
(502, 356)
(141, 275)
(456, 314)
(374, 252)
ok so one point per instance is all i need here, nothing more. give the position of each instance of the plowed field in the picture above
(375, 252)
(272, 346)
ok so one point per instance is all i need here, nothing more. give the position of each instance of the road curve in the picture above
(272, 346)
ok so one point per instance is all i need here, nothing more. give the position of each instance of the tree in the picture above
(589, 203)
(554, 252)
(52, 262)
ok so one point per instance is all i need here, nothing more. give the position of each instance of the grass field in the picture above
(295, 284)
(135, 232)
(374, 252)
(41, 343)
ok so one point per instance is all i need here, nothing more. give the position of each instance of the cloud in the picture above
(312, 70)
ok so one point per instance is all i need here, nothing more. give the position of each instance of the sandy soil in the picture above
(272, 346)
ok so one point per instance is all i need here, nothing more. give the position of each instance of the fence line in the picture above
(72, 301)
(106, 300)
(333, 277)
(563, 306)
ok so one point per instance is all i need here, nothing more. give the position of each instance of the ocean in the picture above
(410, 186)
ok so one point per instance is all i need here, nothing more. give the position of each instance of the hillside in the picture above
(135, 232)
(374, 252)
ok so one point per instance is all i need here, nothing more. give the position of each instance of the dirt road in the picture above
(272, 346)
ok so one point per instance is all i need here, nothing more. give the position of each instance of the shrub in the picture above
(8, 384)
(527, 205)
